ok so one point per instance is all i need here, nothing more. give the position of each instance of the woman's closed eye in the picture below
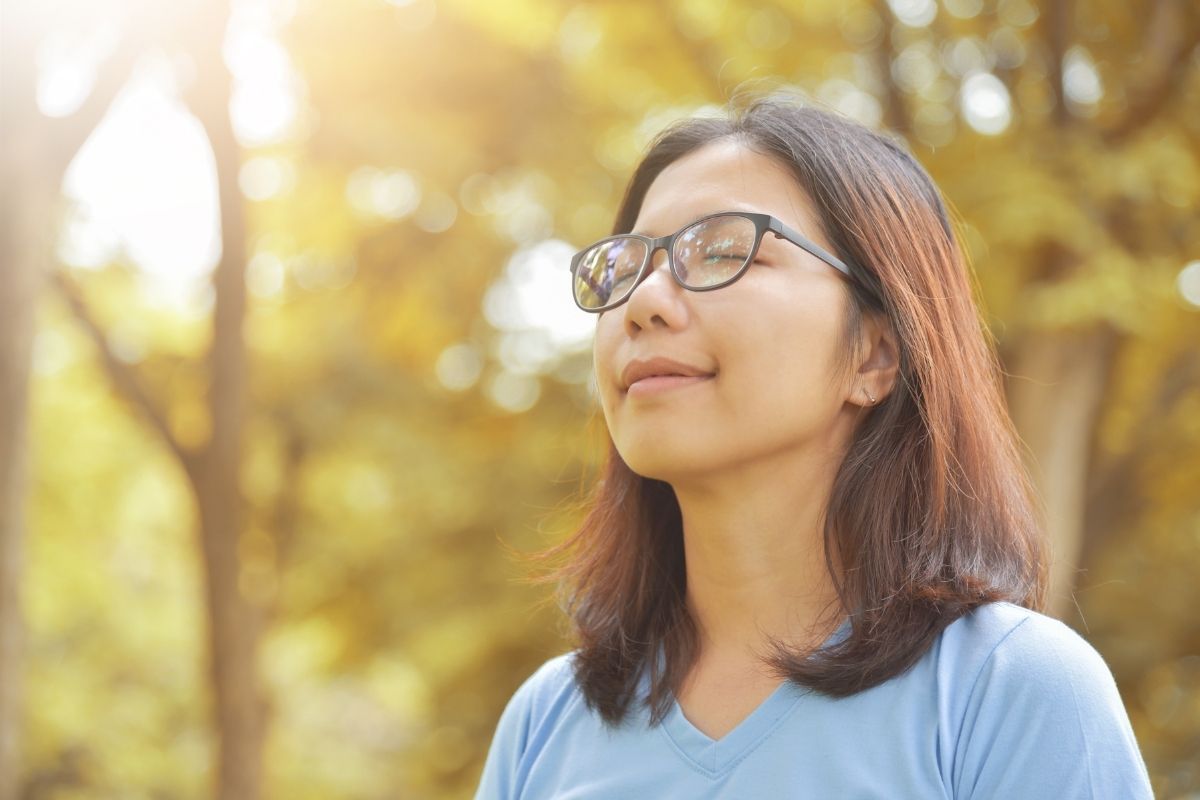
(716, 258)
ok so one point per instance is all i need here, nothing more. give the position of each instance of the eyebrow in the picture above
(765, 241)
(692, 221)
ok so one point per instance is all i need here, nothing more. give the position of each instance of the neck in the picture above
(753, 542)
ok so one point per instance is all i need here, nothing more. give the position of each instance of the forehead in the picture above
(723, 176)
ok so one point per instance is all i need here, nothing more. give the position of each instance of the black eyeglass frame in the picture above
(762, 224)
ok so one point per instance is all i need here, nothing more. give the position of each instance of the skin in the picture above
(751, 452)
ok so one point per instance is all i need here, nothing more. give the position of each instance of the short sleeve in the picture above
(1044, 720)
(522, 730)
(499, 778)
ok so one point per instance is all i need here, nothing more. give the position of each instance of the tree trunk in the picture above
(19, 278)
(26, 233)
(235, 624)
(1054, 393)
(35, 153)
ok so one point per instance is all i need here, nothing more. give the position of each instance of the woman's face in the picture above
(769, 340)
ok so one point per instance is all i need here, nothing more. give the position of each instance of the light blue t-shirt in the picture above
(1007, 704)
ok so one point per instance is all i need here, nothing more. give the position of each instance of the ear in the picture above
(876, 376)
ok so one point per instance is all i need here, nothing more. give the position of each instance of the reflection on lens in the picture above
(713, 251)
(608, 271)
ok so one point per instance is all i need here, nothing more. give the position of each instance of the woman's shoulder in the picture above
(545, 691)
(551, 678)
(526, 724)
(1025, 692)
(1000, 642)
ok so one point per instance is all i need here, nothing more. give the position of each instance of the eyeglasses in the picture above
(712, 252)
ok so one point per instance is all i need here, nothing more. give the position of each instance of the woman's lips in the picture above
(663, 383)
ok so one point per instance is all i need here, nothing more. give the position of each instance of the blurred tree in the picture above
(1061, 364)
(34, 152)
(34, 168)
(17, 292)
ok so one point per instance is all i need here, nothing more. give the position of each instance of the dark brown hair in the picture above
(931, 513)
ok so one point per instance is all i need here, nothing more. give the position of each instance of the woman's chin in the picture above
(662, 462)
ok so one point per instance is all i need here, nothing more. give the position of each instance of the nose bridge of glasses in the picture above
(655, 246)
(651, 265)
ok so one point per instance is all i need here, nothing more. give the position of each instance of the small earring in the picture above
(868, 394)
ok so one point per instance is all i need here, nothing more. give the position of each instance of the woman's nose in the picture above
(657, 299)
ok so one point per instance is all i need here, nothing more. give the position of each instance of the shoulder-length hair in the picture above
(931, 513)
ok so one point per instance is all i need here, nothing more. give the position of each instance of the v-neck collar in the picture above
(714, 757)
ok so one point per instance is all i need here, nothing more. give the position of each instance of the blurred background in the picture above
(289, 363)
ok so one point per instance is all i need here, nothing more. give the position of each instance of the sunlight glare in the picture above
(1188, 283)
(459, 366)
(144, 186)
(391, 194)
(1081, 79)
(514, 392)
(985, 103)
(67, 61)
(914, 13)
(532, 304)
(264, 177)
(266, 94)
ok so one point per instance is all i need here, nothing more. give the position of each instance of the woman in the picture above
(814, 566)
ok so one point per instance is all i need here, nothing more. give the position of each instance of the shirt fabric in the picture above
(1006, 704)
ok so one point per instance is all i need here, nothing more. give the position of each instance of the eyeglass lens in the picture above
(706, 254)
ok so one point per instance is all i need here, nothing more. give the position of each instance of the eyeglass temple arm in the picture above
(779, 229)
